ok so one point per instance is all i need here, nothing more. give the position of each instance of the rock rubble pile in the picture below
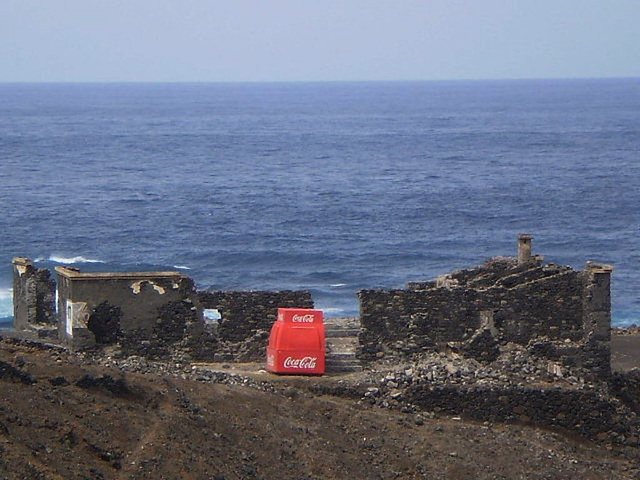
(517, 387)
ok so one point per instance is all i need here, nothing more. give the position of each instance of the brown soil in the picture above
(63, 417)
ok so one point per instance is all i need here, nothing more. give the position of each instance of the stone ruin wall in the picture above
(246, 319)
(34, 293)
(150, 314)
(181, 332)
(157, 315)
(562, 313)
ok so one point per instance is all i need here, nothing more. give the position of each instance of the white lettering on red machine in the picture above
(301, 363)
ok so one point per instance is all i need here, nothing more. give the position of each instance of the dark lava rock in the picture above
(11, 373)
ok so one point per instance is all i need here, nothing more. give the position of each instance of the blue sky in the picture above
(316, 40)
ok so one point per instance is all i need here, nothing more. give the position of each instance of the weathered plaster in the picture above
(136, 287)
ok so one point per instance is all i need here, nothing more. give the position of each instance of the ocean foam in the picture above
(72, 260)
(625, 318)
(6, 303)
(181, 267)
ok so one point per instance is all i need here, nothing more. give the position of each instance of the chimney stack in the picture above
(524, 249)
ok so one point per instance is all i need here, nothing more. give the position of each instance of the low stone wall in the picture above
(587, 355)
(179, 334)
(626, 387)
(588, 413)
(518, 387)
(247, 317)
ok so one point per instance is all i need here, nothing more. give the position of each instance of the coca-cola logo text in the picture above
(302, 363)
(307, 318)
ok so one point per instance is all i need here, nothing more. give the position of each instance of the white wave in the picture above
(625, 318)
(6, 302)
(72, 260)
(181, 267)
(338, 285)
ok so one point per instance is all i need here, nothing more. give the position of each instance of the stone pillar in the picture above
(596, 317)
(33, 297)
(597, 301)
(23, 299)
(524, 249)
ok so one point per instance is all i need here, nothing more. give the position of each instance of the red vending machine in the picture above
(297, 342)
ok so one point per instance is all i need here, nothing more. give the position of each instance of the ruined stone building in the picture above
(566, 313)
(157, 315)
(561, 313)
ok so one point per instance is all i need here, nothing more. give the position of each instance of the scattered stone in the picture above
(118, 387)
(59, 382)
(11, 373)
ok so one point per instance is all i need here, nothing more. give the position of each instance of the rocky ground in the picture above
(69, 416)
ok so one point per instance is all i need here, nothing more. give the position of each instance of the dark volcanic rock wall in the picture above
(243, 330)
(588, 413)
(499, 302)
(626, 386)
(523, 303)
(104, 323)
(179, 334)
(33, 296)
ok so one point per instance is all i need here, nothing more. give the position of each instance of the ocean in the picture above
(331, 187)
